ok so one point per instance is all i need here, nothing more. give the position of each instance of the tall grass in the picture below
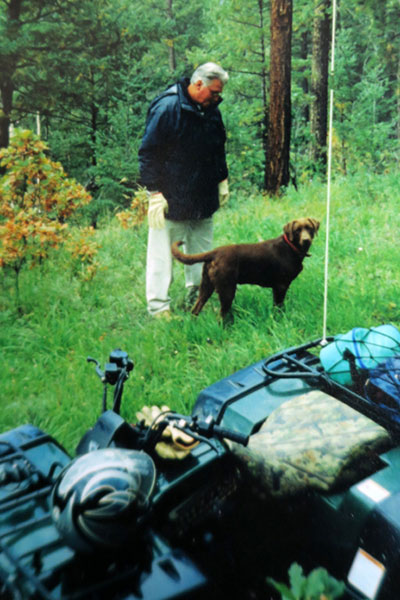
(46, 380)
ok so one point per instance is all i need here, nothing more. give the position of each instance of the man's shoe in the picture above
(164, 315)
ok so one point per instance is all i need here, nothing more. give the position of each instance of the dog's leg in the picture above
(205, 291)
(279, 293)
(226, 295)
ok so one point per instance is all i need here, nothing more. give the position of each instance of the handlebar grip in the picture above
(234, 436)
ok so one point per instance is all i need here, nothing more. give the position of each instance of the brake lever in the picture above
(99, 372)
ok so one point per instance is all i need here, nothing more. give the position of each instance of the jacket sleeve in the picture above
(153, 151)
(221, 153)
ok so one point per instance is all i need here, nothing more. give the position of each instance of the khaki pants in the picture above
(197, 236)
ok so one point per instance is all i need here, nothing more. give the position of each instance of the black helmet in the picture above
(99, 498)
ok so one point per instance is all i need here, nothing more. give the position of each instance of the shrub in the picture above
(318, 585)
(36, 200)
(137, 211)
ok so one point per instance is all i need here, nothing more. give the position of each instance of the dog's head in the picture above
(301, 232)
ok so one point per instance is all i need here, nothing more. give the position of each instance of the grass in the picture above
(46, 380)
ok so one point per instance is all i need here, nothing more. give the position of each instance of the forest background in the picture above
(81, 75)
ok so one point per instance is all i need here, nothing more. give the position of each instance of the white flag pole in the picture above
(328, 199)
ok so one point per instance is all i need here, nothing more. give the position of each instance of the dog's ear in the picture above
(288, 230)
(314, 223)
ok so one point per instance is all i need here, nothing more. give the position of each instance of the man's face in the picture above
(208, 94)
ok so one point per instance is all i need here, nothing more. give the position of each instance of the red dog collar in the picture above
(293, 247)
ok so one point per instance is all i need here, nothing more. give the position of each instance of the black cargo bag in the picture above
(383, 385)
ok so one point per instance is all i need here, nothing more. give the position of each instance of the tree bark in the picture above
(7, 69)
(319, 82)
(398, 99)
(6, 93)
(304, 82)
(171, 46)
(264, 125)
(277, 163)
(93, 132)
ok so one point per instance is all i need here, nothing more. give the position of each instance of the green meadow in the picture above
(46, 380)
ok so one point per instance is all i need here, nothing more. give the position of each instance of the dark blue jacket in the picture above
(182, 154)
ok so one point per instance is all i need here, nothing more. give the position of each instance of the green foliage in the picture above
(35, 42)
(366, 81)
(318, 585)
(109, 85)
(90, 69)
(96, 103)
(365, 126)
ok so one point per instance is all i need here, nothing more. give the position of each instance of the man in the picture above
(183, 166)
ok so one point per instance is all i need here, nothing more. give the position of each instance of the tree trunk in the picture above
(6, 94)
(94, 111)
(304, 82)
(7, 68)
(171, 47)
(264, 125)
(277, 163)
(319, 82)
(398, 100)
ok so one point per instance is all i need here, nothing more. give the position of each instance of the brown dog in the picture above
(273, 263)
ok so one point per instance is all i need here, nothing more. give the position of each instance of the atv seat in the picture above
(313, 441)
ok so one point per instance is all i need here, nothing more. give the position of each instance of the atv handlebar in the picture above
(116, 372)
(209, 428)
(206, 428)
(234, 436)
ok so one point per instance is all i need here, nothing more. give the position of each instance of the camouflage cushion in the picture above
(313, 441)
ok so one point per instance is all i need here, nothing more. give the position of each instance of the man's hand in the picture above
(156, 211)
(223, 192)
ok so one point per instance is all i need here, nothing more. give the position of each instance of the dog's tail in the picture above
(190, 259)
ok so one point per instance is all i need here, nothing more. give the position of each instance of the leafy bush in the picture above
(137, 211)
(37, 199)
(318, 585)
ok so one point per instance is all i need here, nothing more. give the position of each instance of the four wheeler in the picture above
(281, 461)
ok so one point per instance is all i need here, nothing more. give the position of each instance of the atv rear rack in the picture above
(299, 363)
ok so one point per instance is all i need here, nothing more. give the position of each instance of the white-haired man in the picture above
(183, 166)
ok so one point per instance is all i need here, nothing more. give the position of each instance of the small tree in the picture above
(36, 200)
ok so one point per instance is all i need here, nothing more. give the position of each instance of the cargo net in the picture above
(369, 361)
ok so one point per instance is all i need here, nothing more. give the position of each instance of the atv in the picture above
(292, 459)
